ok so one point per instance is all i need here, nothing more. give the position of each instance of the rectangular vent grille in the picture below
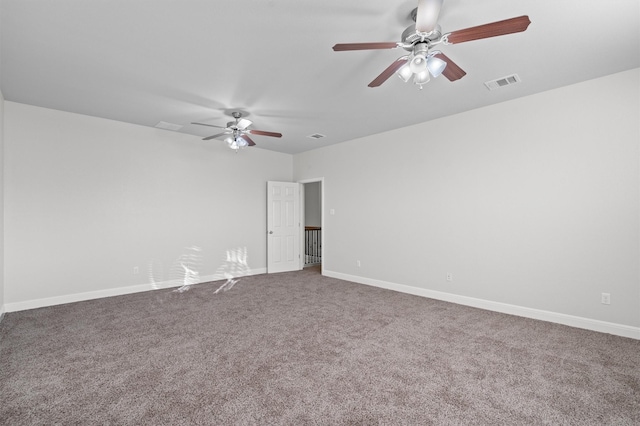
(502, 82)
(316, 136)
(168, 126)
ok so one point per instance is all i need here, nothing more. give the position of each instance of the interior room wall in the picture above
(2, 307)
(90, 200)
(312, 216)
(531, 203)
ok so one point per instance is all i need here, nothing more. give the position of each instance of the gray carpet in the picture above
(299, 348)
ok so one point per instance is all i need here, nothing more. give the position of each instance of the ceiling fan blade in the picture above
(243, 123)
(216, 136)
(508, 26)
(388, 72)
(453, 72)
(364, 46)
(263, 133)
(427, 15)
(210, 125)
(248, 139)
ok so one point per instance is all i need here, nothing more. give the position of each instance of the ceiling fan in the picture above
(419, 39)
(236, 132)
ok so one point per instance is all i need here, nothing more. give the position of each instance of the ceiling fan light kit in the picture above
(236, 143)
(422, 65)
(419, 39)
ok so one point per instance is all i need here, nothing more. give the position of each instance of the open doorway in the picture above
(313, 223)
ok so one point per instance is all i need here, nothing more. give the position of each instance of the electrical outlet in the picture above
(449, 276)
(136, 270)
(606, 299)
(358, 263)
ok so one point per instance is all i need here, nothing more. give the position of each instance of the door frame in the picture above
(302, 224)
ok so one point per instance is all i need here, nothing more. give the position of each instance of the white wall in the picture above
(2, 307)
(531, 203)
(312, 204)
(89, 199)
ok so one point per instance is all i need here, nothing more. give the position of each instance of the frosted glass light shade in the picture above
(405, 72)
(436, 66)
(422, 77)
(418, 64)
(231, 142)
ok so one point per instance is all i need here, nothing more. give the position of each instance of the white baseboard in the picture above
(98, 294)
(570, 320)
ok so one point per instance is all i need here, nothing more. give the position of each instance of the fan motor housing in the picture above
(410, 36)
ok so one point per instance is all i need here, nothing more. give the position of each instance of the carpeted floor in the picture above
(298, 348)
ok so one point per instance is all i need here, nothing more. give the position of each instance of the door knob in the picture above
(271, 232)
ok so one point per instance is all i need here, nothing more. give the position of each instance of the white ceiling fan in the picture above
(237, 132)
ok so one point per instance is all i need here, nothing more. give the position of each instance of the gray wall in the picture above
(532, 203)
(2, 161)
(2, 307)
(88, 200)
(312, 213)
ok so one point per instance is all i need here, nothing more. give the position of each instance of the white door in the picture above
(283, 227)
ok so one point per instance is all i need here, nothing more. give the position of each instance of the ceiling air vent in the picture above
(502, 82)
(168, 126)
(316, 136)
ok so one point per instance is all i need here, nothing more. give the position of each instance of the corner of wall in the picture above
(2, 307)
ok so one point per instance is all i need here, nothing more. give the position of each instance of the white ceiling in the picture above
(178, 61)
